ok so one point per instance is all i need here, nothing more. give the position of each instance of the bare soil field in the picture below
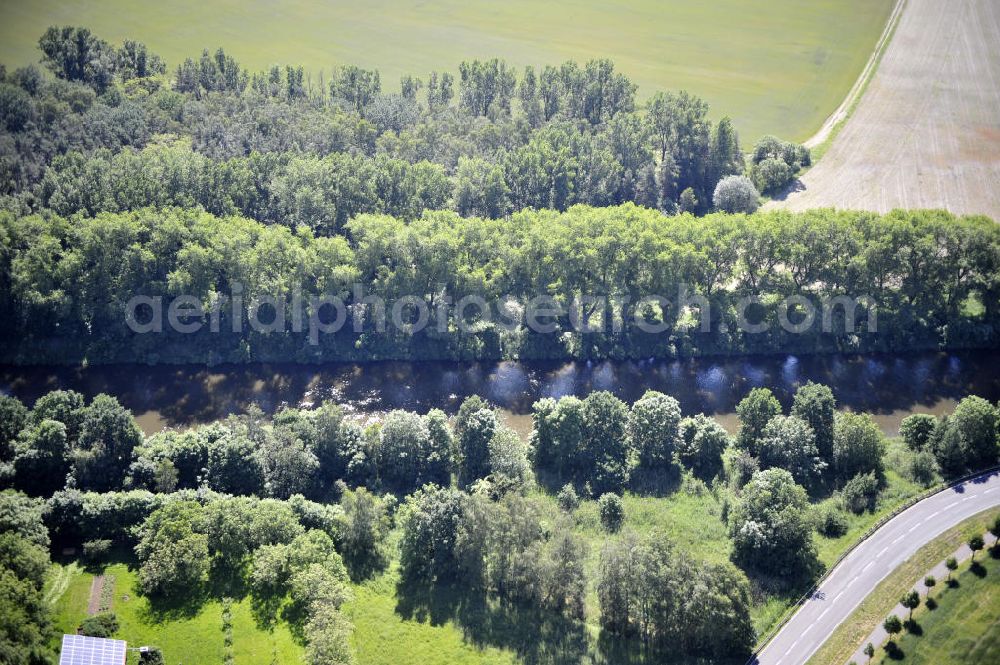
(926, 132)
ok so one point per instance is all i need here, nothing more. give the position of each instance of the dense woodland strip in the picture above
(108, 128)
(931, 278)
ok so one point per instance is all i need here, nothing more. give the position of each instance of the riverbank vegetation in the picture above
(921, 280)
(469, 525)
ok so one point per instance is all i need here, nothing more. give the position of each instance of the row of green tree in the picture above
(912, 280)
(598, 443)
(490, 142)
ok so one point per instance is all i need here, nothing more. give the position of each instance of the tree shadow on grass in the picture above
(893, 651)
(175, 605)
(656, 482)
(978, 569)
(537, 636)
(618, 650)
(913, 628)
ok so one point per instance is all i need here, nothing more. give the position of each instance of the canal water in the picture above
(888, 386)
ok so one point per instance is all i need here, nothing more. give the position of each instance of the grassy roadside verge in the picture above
(963, 627)
(873, 609)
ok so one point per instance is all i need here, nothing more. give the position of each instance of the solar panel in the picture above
(83, 650)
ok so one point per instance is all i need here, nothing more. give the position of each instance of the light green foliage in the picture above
(653, 429)
(789, 443)
(735, 194)
(707, 611)
(173, 553)
(770, 527)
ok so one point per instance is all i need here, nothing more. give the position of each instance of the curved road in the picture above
(858, 574)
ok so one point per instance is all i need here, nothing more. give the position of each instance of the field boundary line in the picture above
(843, 112)
(903, 507)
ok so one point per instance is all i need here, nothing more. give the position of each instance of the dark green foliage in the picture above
(364, 533)
(95, 550)
(975, 544)
(755, 411)
(152, 656)
(774, 163)
(612, 512)
(606, 447)
(23, 515)
(100, 625)
(567, 498)
(106, 260)
(25, 622)
(427, 548)
(910, 601)
(917, 430)
(173, 554)
(858, 446)
(814, 403)
(701, 445)
(13, 418)
(831, 521)
(108, 434)
(860, 492)
(475, 426)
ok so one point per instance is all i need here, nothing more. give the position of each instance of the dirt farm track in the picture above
(926, 132)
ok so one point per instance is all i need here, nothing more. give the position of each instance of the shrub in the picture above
(860, 492)
(96, 549)
(151, 656)
(917, 429)
(922, 468)
(736, 193)
(612, 511)
(567, 498)
(771, 175)
(831, 521)
(100, 625)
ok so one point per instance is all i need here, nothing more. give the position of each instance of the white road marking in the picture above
(884, 550)
(898, 539)
(824, 612)
(838, 596)
(869, 565)
(992, 489)
(951, 505)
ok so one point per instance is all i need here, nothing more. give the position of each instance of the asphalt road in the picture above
(858, 574)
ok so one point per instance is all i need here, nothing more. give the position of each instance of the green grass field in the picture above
(780, 66)
(184, 637)
(964, 627)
